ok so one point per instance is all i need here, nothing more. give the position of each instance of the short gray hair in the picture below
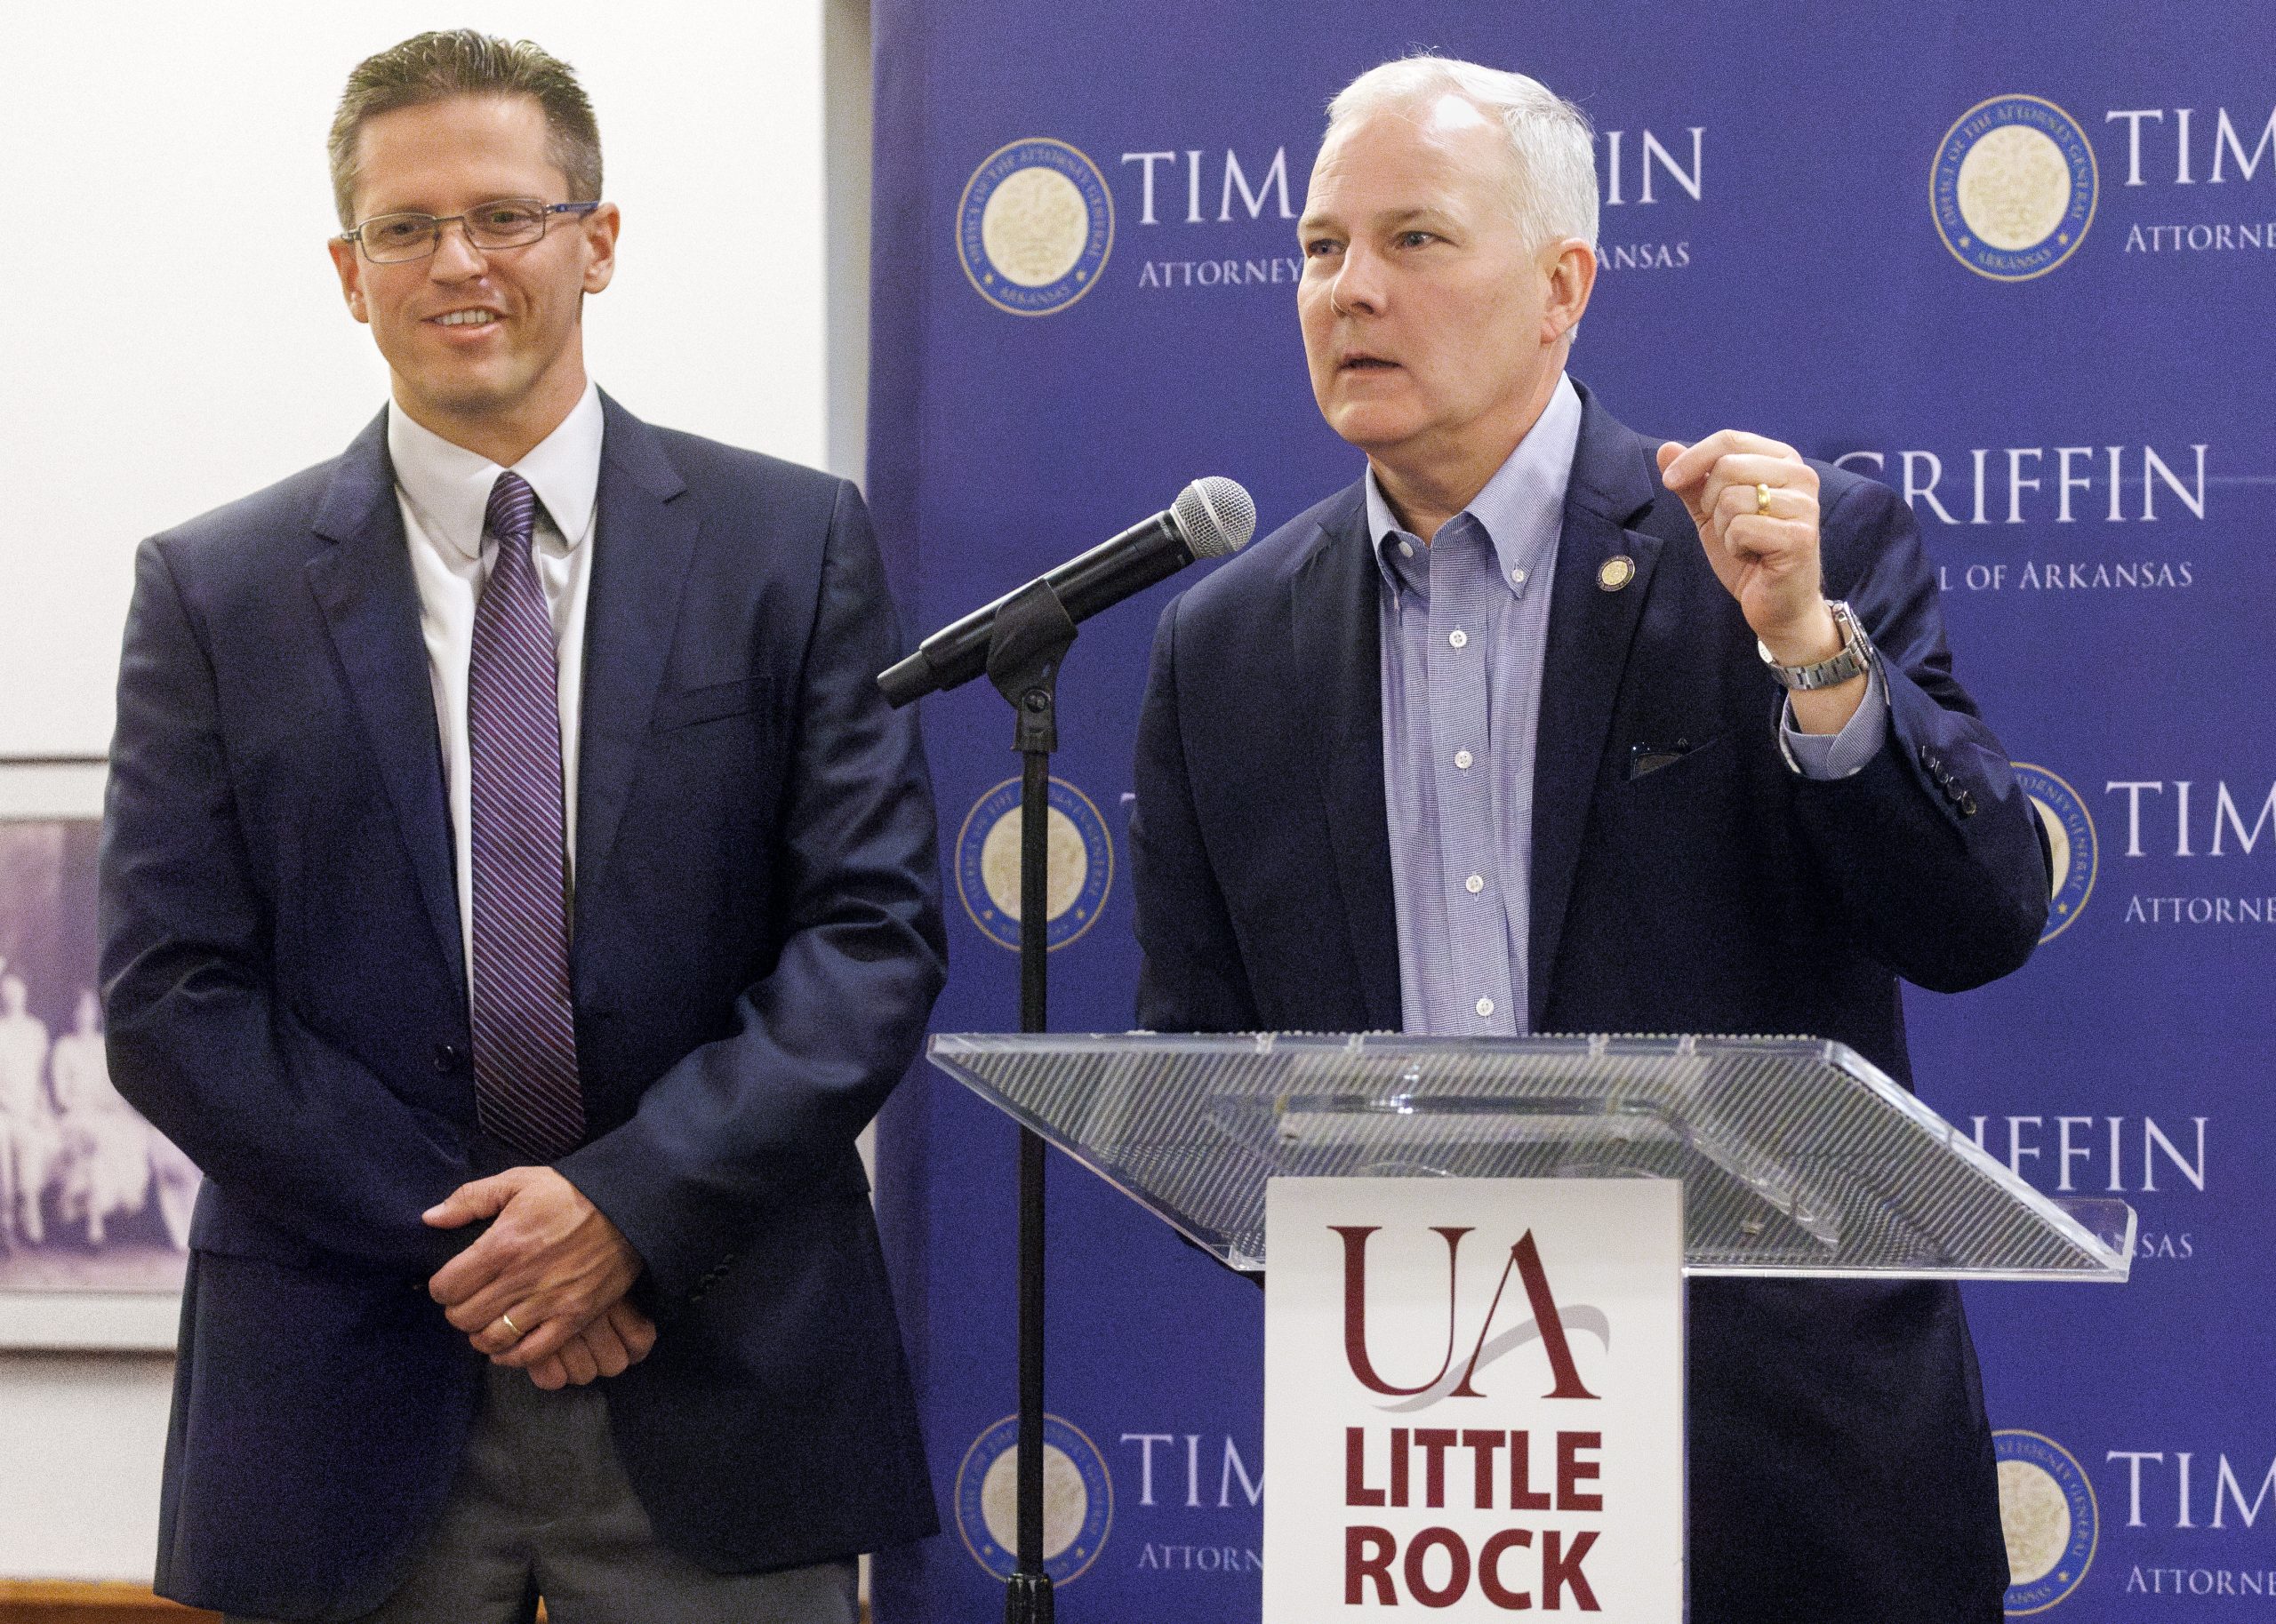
(1552, 184)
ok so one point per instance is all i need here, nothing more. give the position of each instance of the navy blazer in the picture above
(758, 943)
(1841, 1465)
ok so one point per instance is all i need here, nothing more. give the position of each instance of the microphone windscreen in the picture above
(1216, 515)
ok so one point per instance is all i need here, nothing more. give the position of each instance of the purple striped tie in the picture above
(524, 1038)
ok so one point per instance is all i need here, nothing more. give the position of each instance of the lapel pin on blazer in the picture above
(1616, 571)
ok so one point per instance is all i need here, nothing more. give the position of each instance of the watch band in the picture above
(1855, 660)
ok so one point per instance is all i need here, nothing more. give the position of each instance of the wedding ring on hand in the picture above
(507, 1320)
(1761, 498)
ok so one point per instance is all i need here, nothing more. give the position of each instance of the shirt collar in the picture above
(1521, 508)
(449, 485)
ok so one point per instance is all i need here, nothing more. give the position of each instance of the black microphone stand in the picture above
(1032, 634)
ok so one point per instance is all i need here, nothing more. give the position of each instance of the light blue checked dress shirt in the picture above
(1465, 626)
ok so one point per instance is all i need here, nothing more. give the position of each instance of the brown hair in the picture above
(436, 67)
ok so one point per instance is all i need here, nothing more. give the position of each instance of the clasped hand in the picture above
(553, 1265)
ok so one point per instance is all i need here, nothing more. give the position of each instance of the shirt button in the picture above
(1406, 549)
(1517, 578)
(1457, 638)
(1475, 883)
(1486, 1006)
(1462, 760)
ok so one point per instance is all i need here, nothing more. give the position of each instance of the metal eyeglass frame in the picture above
(435, 223)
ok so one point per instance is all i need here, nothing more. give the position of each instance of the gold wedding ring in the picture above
(1762, 499)
(507, 1320)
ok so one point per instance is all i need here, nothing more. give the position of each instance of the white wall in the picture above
(845, 283)
(140, 385)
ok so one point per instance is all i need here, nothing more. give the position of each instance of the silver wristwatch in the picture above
(1855, 660)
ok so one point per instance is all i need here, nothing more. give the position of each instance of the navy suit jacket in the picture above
(756, 945)
(1840, 1466)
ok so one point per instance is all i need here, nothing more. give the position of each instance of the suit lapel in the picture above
(1333, 598)
(645, 535)
(364, 586)
(1590, 631)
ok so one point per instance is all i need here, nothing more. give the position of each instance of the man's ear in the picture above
(1571, 267)
(348, 262)
(600, 229)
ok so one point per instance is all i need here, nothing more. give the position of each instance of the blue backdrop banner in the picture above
(2017, 261)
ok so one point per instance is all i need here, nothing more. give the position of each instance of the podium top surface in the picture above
(1798, 1156)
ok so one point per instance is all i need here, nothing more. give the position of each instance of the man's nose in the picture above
(455, 258)
(1357, 289)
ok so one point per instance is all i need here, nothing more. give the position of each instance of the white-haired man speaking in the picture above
(1549, 726)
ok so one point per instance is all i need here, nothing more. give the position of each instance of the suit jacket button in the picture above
(1967, 804)
(447, 1057)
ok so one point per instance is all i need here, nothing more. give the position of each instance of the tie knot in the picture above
(512, 511)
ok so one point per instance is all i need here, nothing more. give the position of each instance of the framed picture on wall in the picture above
(94, 1203)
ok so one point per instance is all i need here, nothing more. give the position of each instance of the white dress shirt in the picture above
(444, 490)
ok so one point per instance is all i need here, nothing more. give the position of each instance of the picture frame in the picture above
(94, 1203)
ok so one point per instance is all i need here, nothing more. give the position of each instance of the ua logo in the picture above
(1525, 1260)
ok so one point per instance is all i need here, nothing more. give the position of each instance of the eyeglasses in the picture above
(509, 222)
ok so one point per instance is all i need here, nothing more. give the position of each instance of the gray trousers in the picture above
(542, 1509)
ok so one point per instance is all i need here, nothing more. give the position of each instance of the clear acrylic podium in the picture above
(1798, 1156)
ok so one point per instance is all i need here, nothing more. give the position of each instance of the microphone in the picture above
(1211, 516)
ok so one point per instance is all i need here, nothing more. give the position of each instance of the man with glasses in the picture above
(517, 898)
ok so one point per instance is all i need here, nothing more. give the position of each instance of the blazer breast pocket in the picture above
(713, 702)
(1649, 759)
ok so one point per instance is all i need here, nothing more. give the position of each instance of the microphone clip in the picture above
(1031, 635)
